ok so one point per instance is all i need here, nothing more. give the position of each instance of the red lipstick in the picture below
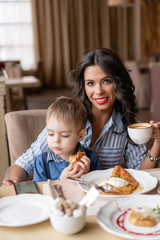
(101, 100)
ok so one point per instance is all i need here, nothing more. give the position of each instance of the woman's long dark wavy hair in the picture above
(110, 64)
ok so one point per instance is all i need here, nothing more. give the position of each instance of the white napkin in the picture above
(155, 174)
(48, 190)
(95, 202)
(90, 197)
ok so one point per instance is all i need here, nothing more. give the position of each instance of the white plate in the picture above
(24, 209)
(116, 222)
(146, 181)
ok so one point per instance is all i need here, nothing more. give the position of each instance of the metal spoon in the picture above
(103, 189)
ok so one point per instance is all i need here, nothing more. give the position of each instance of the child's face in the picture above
(63, 136)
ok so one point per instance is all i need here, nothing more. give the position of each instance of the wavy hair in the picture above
(110, 64)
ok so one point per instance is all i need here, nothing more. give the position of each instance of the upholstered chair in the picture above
(23, 127)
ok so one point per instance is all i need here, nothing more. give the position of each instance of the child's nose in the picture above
(56, 138)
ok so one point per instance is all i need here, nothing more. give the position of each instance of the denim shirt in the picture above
(49, 165)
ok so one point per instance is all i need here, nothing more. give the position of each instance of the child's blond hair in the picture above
(66, 108)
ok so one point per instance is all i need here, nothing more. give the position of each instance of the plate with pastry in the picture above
(136, 217)
(125, 181)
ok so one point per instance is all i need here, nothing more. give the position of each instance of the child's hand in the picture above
(84, 164)
(70, 171)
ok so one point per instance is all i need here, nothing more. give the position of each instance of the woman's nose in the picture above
(99, 89)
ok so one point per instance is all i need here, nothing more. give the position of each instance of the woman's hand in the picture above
(156, 130)
(8, 182)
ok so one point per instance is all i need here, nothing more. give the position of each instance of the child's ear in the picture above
(81, 134)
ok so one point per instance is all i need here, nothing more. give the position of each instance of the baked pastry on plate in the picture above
(120, 179)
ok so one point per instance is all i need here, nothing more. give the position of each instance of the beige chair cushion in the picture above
(142, 85)
(155, 82)
(23, 127)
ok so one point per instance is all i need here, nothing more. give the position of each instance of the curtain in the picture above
(150, 28)
(121, 25)
(63, 30)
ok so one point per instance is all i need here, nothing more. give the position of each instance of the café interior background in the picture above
(47, 37)
(63, 30)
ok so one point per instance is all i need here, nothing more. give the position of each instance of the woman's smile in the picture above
(102, 100)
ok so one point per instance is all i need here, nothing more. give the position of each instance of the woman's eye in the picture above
(89, 83)
(108, 80)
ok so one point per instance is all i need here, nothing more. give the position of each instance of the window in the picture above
(16, 32)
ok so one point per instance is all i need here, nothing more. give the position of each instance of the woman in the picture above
(103, 84)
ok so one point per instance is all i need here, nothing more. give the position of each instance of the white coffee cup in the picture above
(140, 132)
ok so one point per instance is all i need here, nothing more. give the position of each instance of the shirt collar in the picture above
(115, 121)
(51, 156)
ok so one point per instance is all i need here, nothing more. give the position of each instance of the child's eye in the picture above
(50, 134)
(65, 136)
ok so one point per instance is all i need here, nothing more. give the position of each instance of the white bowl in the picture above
(67, 225)
(140, 132)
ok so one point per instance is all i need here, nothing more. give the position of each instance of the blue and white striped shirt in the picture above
(111, 147)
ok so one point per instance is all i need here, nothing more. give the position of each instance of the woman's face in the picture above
(99, 88)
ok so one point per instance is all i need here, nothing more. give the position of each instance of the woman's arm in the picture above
(24, 165)
(155, 150)
(26, 160)
(14, 174)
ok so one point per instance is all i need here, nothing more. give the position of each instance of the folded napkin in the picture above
(73, 192)
(48, 190)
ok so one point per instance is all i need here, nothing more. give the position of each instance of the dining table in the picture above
(45, 231)
(23, 82)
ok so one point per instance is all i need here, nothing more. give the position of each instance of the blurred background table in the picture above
(23, 82)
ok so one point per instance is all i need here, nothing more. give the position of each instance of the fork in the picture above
(103, 189)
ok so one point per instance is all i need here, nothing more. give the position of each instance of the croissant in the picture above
(76, 157)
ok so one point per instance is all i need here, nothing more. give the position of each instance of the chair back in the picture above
(142, 85)
(155, 83)
(23, 127)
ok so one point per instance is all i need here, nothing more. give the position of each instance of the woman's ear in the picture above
(81, 134)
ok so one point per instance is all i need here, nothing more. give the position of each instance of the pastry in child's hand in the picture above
(76, 157)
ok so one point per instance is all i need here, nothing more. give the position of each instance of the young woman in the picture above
(103, 84)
